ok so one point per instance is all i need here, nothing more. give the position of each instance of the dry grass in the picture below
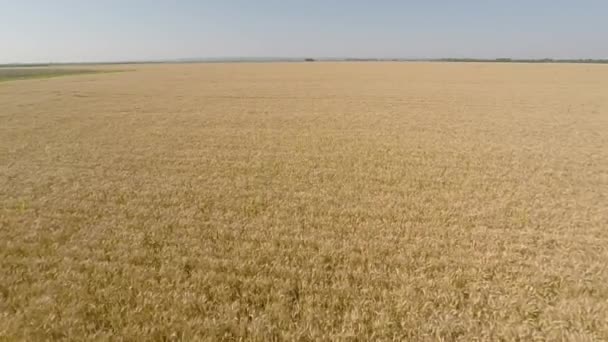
(374, 201)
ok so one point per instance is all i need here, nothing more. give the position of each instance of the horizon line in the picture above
(245, 59)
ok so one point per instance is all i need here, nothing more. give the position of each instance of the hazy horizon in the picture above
(33, 31)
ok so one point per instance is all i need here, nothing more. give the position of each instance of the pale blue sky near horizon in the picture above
(130, 30)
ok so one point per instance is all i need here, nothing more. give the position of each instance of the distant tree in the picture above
(309, 60)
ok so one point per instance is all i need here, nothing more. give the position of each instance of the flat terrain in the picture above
(306, 201)
(11, 74)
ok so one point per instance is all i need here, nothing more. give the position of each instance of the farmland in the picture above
(306, 201)
(21, 73)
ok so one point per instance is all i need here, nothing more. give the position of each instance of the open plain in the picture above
(306, 201)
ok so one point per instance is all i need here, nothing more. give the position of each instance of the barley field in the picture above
(306, 202)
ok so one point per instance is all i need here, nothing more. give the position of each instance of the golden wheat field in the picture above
(306, 201)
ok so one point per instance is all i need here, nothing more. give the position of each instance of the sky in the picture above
(131, 30)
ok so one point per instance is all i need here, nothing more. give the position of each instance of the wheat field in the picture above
(306, 202)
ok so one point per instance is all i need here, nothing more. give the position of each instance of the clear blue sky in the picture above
(111, 30)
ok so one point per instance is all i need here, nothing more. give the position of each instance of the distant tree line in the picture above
(510, 60)
(465, 60)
